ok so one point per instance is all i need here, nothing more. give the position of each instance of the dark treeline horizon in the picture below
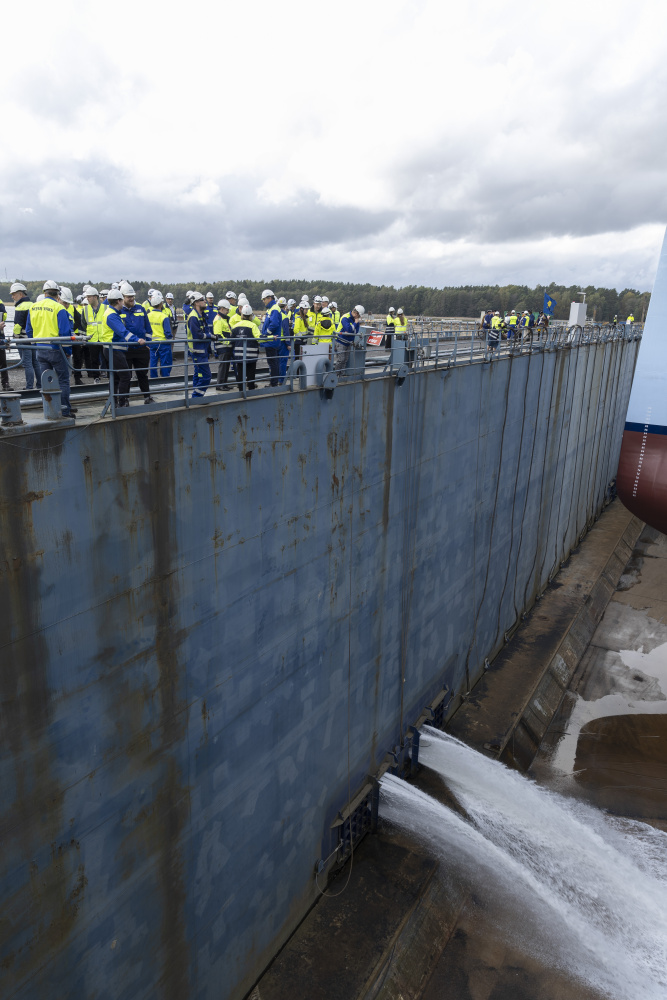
(417, 300)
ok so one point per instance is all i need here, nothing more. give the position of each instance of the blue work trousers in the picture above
(282, 357)
(273, 358)
(30, 366)
(202, 376)
(48, 359)
(161, 354)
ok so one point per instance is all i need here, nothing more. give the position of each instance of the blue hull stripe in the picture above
(651, 429)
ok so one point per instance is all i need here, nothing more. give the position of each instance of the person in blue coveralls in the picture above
(271, 334)
(526, 323)
(46, 320)
(136, 321)
(348, 328)
(199, 340)
(159, 317)
(115, 338)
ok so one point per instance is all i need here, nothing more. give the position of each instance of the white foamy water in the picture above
(581, 890)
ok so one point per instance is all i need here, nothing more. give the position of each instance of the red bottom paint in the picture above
(642, 477)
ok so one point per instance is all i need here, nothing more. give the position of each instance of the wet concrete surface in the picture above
(607, 743)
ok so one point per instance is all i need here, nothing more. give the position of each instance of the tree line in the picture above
(417, 300)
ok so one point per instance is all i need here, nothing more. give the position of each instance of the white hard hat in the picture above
(197, 297)
(169, 295)
(231, 295)
(496, 313)
(79, 299)
(48, 286)
(150, 292)
(326, 311)
(224, 304)
(399, 311)
(104, 292)
(526, 313)
(514, 312)
(282, 301)
(325, 298)
(115, 295)
(156, 297)
(267, 294)
(246, 310)
(334, 305)
(210, 295)
(18, 286)
(90, 290)
(242, 297)
(291, 302)
(66, 294)
(40, 298)
(318, 298)
(115, 285)
(127, 289)
(360, 310)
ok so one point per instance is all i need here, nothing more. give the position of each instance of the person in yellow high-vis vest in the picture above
(159, 317)
(400, 325)
(49, 322)
(222, 334)
(92, 318)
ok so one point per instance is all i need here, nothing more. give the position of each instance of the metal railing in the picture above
(437, 346)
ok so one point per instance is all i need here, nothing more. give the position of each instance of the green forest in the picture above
(417, 300)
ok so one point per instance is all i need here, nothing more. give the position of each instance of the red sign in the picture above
(375, 339)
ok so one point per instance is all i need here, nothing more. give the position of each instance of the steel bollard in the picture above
(51, 396)
(10, 409)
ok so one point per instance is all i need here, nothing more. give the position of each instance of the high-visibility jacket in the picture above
(301, 327)
(324, 329)
(160, 321)
(21, 310)
(146, 304)
(113, 329)
(70, 312)
(94, 321)
(336, 317)
(272, 327)
(44, 322)
(400, 325)
(198, 335)
(245, 332)
(390, 322)
(222, 330)
(630, 319)
(513, 320)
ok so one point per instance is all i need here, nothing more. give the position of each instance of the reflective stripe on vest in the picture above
(156, 318)
(94, 321)
(222, 329)
(44, 318)
(22, 306)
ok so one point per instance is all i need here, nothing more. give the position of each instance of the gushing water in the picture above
(582, 890)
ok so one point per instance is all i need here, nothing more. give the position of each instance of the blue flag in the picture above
(549, 305)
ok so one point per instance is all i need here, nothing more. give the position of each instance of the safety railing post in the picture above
(245, 384)
(186, 366)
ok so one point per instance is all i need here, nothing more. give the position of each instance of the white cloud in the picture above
(405, 142)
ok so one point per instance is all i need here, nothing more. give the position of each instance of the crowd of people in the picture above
(107, 334)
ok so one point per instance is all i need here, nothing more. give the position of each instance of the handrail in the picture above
(423, 350)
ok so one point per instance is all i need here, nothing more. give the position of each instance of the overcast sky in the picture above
(423, 142)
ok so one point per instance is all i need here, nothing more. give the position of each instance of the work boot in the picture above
(148, 399)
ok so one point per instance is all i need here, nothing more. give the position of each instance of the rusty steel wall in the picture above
(196, 602)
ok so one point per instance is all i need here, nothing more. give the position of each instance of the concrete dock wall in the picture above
(216, 621)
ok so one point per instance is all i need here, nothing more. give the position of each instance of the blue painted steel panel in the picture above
(195, 603)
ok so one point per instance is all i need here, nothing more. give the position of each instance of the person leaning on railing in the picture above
(400, 325)
(135, 318)
(348, 328)
(324, 327)
(49, 320)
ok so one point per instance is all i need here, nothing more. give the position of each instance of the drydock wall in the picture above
(205, 611)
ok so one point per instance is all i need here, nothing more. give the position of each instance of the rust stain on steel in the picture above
(34, 816)
(174, 795)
